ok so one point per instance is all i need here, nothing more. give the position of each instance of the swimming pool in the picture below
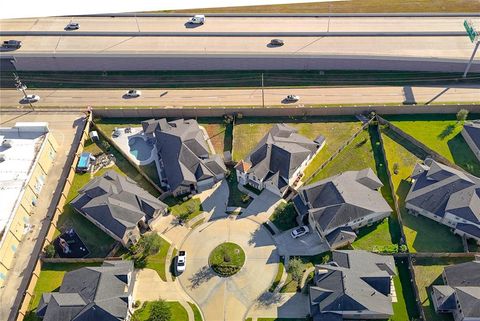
(139, 148)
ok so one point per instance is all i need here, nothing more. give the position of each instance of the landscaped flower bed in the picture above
(227, 259)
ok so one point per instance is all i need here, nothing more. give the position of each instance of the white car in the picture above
(300, 231)
(134, 93)
(292, 98)
(72, 26)
(181, 261)
(198, 19)
(31, 98)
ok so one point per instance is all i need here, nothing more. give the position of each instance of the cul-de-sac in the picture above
(296, 162)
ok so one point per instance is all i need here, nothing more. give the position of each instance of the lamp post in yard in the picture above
(474, 38)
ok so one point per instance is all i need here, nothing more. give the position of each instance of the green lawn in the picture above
(405, 308)
(178, 312)
(356, 156)
(374, 237)
(278, 277)
(442, 134)
(177, 206)
(248, 132)
(284, 216)
(157, 262)
(427, 273)
(227, 259)
(422, 234)
(196, 312)
(236, 198)
(50, 279)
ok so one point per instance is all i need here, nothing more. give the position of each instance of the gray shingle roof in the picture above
(472, 129)
(282, 150)
(184, 153)
(358, 283)
(340, 199)
(464, 279)
(116, 202)
(90, 293)
(438, 189)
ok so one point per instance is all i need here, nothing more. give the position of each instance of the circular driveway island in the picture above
(228, 298)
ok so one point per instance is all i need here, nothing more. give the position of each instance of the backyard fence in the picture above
(275, 111)
(338, 151)
(47, 234)
(413, 282)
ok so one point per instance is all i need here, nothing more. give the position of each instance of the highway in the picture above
(242, 24)
(242, 97)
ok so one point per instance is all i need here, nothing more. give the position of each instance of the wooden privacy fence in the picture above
(25, 294)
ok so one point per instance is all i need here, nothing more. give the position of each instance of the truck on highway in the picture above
(12, 44)
(198, 19)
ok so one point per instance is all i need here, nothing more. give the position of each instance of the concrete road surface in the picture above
(228, 299)
(226, 24)
(242, 97)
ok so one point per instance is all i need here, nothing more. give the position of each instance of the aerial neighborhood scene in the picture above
(240, 160)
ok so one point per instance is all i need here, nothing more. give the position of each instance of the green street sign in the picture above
(471, 32)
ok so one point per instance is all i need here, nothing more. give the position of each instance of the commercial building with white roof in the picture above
(27, 152)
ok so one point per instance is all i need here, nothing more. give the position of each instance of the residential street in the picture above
(175, 98)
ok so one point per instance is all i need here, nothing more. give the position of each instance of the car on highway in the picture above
(276, 42)
(181, 261)
(12, 44)
(72, 26)
(299, 231)
(198, 19)
(133, 93)
(292, 98)
(31, 98)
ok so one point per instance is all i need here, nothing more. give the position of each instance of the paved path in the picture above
(149, 287)
(229, 298)
(241, 97)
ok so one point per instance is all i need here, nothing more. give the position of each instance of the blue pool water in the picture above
(139, 148)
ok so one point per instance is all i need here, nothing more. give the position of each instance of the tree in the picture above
(49, 250)
(462, 115)
(295, 268)
(159, 311)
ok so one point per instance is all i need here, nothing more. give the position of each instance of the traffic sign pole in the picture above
(471, 59)
(474, 37)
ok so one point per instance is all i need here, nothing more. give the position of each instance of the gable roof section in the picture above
(340, 199)
(282, 150)
(360, 286)
(184, 153)
(472, 129)
(90, 293)
(438, 189)
(116, 202)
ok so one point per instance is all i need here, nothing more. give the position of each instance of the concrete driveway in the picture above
(214, 201)
(228, 298)
(309, 244)
(262, 206)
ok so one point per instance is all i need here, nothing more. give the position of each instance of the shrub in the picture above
(395, 168)
(462, 115)
(136, 304)
(296, 268)
(49, 250)
(159, 311)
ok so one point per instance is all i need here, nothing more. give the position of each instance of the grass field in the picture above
(405, 308)
(178, 312)
(428, 272)
(50, 279)
(178, 207)
(157, 262)
(355, 6)
(442, 134)
(422, 234)
(284, 216)
(196, 312)
(236, 198)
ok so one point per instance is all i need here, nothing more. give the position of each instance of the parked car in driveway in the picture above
(198, 19)
(300, 231)
(72, 26)
(133, 93)
(276, 42)
(181, 261)
(31, 98)
(12, 44)
(292, 98)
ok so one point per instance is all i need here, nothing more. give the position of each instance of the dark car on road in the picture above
(12, 44)
(276, 42)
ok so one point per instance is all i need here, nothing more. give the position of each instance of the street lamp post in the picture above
(22, 87)
(474, 38)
